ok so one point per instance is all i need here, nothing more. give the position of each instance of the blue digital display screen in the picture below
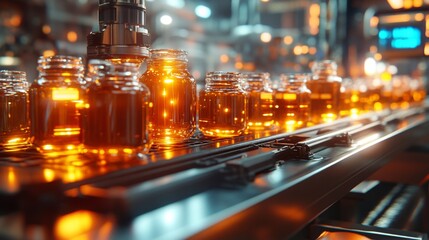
(400, 37)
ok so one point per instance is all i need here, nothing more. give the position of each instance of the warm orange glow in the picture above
(289, 96)
(113, 151)
(46, 29)
(168, 154)
(354, 98)
(13, 21)
(72, 36)
(386, 77)
(167, 81)
(417, 3)
(74, 224)
(297, 50)
(48, 147)
(66, 131)
(329, 117)
(314, 9)
(288, 40)
(14, 140)
(378, 56)
(396, 4)
(341, 235)
(239, 65)
(70, 147)
(427, 25)
(374, 22)
(314, 21)
(12, 182)
(419, 17)
(398, 18)
(224, 58)
(408, 4)
(304, 49)
(312, 50)
(426, 49)
(73, 173)
(291, 212)
(378, 106)
(65, 94)
(48, 53)
(48, 174)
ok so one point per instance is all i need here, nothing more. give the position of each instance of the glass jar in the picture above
(418, 91)
(55, 98)
(354, 97)
(375, 89)
(115, 118)
(261, 103)
(292, 102)
(14, 120)
(222, 105)
(325, 92)
(173, 98)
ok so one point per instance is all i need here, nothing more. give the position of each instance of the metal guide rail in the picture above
(260, 183)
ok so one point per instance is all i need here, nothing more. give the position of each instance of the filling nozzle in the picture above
(122, 32)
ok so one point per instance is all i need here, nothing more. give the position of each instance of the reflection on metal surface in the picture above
(12, 183)
(74, 224)
(293, 213)
(49, 174)
(368, 139)
(167, 219)
(83, 225)
(341, 236)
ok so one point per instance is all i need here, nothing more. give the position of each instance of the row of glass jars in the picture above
(115, 114)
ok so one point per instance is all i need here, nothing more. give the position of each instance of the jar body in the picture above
(261, 102)
(222, 106)
(292, 103)
(173, 98)
(325, 87)
(115, 117)
(55, 100)
(354, 97)
(14, 120)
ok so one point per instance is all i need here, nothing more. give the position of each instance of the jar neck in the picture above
(168, 59)
(60, 67)
(167, 65)
(13, 79)
(106, 71)
(255, 81)
(226, 81)
(293, 81)
(324, 68)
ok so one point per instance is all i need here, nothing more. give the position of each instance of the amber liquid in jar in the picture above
(374, 94)
(292, 102)
(261, 100)
(14, 115)
(223, 105)
(55, 98)
(173, 97)
(418, 91)
(353, 98)
(115, 115)
(325, 92)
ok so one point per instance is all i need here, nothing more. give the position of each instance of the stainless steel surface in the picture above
(123, 32)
